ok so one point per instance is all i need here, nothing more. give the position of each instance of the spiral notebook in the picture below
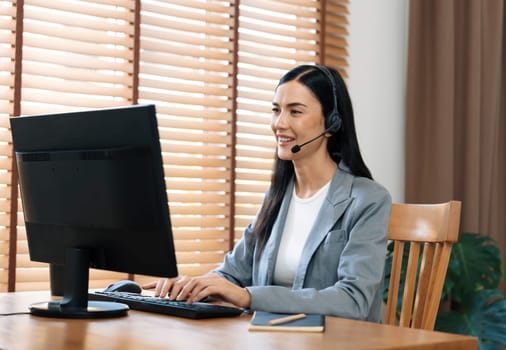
(309, 323)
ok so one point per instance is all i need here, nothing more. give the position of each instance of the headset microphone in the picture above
(297, 148)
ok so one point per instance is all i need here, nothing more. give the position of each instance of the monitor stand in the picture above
(75, 302)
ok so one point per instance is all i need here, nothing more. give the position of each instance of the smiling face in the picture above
(297, 118)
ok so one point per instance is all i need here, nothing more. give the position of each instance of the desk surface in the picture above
(140, 330)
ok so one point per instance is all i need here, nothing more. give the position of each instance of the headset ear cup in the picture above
(334, 122)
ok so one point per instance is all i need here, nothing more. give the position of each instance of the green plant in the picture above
(471, 303)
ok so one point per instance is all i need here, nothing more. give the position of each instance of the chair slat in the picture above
(395, 276)
(423, 284)
(409, 284)
(441, 259)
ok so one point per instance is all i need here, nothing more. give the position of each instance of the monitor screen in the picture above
(93, 193)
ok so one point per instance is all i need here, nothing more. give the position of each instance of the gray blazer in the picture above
(340, 272)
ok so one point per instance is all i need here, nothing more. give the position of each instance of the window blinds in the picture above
(209, 66)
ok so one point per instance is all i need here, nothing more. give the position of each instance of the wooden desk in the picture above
(141, 330)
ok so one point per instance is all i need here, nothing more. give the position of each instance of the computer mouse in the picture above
(124, 286)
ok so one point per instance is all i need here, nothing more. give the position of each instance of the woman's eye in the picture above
(296, 111)
(275, 110)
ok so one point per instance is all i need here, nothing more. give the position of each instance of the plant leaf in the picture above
(484, 317)
(475, 264)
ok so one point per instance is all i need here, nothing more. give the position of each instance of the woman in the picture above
(318, 243)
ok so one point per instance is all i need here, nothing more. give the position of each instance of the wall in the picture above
(377, 74)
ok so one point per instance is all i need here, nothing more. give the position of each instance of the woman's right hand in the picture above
(163, 286)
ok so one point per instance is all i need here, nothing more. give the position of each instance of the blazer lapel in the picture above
(337, 200)
(267, 261)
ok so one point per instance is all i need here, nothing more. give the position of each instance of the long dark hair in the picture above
(342, 145)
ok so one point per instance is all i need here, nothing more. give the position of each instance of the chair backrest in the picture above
(431, 229)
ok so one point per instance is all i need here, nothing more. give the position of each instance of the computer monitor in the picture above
(93, 193)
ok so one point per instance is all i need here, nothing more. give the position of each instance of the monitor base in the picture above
(95, 309)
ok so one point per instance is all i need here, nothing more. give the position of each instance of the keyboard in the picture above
(197, 310)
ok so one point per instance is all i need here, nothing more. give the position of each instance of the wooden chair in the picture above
(436, 228)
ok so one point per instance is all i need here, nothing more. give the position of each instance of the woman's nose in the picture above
(280, 121)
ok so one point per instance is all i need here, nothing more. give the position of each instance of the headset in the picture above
(333, 121)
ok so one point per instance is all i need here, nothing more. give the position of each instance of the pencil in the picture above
(286, 319)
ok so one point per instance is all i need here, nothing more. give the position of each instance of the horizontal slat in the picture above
(69, 19)
(262, 178)
(266, 62)
(5, 205)
(254, 165)
(246, 211)
(201, 149)
(336, 51)
(279, 53)
(168, 31)
(334, 27)
(77, 47)
(336, 41)
(7, 52)
(249, 13)
(292, 33)
(199, 257)
(214, 11)
(300, 9)
(205, 162)
(68, 99)
(205, 101)
(67, 59)
(205, 89)
(185, 62)
(262, 129)
(94, 70)
(5, 81)
(338, 7)
(209, 53)
(198, 198)
(266, 88)
(8, 11)
(169, 72)
(276, 42)
(88, 8)
(202, 221)
(81, 35)
(246, 108)
(198, 269)
(263, 120)
(35, 108)
(251, 188)
(200, 246)
(190, 111)
(79, 86)
(199, 233)
(197, 185)
(202, 209)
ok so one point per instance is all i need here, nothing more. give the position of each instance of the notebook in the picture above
(309, 323)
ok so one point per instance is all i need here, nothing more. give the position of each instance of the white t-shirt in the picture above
(299, 221)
